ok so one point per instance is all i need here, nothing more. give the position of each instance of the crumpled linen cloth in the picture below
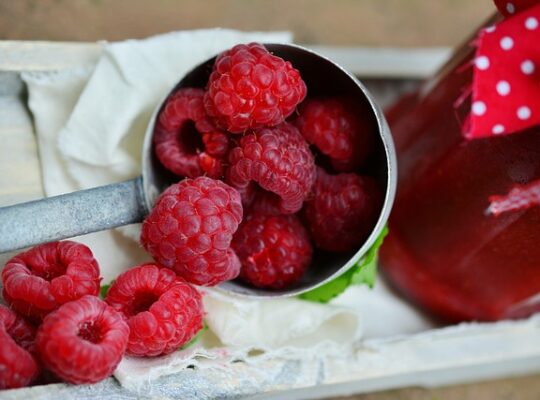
(90, 122)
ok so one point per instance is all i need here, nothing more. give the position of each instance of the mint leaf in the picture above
(326, 292)
(103, 290)
(195, 338)
(364, 272)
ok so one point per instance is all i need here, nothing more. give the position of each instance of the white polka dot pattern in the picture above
(482, 63)
(524, 112)
(479, 108)
(514, 7)
(503, 88)
(531, 23)
(498, 129)
(507, 43)
(527, 67)
(510, 8)
(506, 82)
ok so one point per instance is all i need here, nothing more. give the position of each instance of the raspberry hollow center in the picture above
(142, 302)
(189, 138)
(90, 332)
(50, 270)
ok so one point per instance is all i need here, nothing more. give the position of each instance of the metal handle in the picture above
(59, 217)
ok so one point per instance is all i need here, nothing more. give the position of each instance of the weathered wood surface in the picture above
(20, 180)
(399, 23)
(363, 61)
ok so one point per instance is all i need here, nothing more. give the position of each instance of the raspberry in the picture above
(343, 210)
(186, 142)
(190, 230)
(279, 160)
(163, 311)
(83, 340)
(275, 250)
(265, 203)
(18, 367)
(336, 127)
(46, 276)
(250, 88)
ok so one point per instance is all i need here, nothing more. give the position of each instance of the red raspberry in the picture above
(83, 341)
(275, 250)
(186, 142)
(250, 88)
(163, 311)
(190, 230)
(337, 128)
(46, 276)
(265, 203)
(279, 160)
(18, 367)
(343, 210)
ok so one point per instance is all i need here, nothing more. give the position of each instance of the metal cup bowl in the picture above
(322, 77)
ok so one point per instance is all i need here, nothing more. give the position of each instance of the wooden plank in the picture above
(42, 56)
(400, 23)
(384, 62)
(366, 62)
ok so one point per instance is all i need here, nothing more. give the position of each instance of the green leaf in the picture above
(103, 290)
(326, 292)
(364, 272)
(195, 338)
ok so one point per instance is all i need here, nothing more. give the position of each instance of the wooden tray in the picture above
(456, 354)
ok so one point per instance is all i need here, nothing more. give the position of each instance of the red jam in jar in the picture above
(444, 251)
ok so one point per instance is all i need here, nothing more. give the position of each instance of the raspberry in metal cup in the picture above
(129, 202)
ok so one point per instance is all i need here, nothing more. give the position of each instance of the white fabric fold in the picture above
(241, 322)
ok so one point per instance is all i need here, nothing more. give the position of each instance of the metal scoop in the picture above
(54, 218)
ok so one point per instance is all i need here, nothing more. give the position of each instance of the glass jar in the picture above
(444, 251)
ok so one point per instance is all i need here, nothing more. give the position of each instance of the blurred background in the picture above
(399, 23)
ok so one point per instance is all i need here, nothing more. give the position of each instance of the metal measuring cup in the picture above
(59, 217)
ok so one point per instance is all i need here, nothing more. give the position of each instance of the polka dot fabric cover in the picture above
(506, 85)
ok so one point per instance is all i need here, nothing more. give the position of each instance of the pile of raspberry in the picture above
(268, 177)
(56, 327)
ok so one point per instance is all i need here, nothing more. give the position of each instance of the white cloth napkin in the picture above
(90, 122)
